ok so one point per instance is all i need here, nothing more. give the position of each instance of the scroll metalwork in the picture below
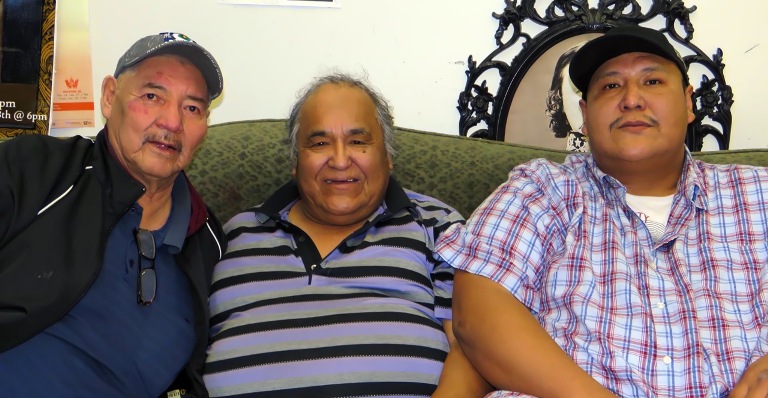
(484, 109)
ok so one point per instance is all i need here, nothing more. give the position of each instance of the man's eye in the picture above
(150, 96)
(193, 109)
(653, 82)
(610, 86)
(358, 142)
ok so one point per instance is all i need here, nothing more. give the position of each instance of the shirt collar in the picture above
(690, 184)
(124, 185)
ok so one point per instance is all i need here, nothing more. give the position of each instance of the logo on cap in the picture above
(171, 36)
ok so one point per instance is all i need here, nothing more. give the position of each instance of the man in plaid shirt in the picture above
(634, 271)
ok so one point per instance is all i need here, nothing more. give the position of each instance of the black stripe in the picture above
(398, 242)
(256, 277)
(348, 390)
(396, 220)
(441, 228)
(443, 302)
(375, 271)
(443, 275)
(282, 250)
(431, 205)
(303, 298)
(269, 227)
(380, 316)
(321, 353)
(221, 317)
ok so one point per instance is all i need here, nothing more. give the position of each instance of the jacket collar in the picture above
(123, 190)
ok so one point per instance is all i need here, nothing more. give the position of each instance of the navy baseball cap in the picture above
(175, 44)
(617, 41)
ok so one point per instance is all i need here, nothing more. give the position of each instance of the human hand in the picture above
(754, 382)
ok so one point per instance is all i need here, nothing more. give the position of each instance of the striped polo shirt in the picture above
(366, 320)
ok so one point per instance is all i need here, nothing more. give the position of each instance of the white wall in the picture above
(414, 51)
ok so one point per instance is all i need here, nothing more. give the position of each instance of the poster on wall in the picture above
(26, 66)
(546, 100)
(72, 72)
(296, 3)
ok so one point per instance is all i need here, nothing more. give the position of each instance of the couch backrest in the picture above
(242, 163)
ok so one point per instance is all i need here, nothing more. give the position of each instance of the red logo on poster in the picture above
(72, 82)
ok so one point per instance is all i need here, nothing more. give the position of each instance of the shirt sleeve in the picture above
(515, 232)
(761, 348)
(437, 218)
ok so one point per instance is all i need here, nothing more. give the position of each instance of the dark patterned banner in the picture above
(26, 66)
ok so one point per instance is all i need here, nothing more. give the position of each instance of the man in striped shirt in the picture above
(635, 271)
(331, 287)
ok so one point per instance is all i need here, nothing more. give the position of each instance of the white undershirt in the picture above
(653, 210)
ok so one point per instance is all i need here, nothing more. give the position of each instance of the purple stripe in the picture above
(329, 368)
(242, 262)
(340, 305)
(332, 331)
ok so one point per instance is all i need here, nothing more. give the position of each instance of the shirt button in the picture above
(667, 360)
(653, 266)
(301, 239)
(660, 305)
(313, 266)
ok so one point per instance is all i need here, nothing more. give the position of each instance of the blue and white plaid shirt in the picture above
(680, 318)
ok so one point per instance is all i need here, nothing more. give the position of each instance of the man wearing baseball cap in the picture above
(633, 271)
(106, 249)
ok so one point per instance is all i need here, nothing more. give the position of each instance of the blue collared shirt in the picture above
(108, 345)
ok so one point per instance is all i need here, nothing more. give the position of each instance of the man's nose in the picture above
(170, 118)
(340, 158)
(632, 97)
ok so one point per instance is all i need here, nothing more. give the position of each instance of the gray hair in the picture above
(383, 110)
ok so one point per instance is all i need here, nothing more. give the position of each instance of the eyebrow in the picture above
(647, 69)
(350, 132)
(194, 98)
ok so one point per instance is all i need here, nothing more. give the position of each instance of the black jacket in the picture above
(59, 200)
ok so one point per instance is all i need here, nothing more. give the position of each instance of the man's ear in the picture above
(108, 93)
(689, 103)
(583, 107)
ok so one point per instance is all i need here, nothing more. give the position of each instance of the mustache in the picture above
(621, 120)
(166, 138)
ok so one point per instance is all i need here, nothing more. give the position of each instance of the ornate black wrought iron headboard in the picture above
(565, 22)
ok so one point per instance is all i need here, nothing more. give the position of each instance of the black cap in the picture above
(617, 41)
(175, 44)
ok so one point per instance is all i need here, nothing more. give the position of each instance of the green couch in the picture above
(243, 162)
